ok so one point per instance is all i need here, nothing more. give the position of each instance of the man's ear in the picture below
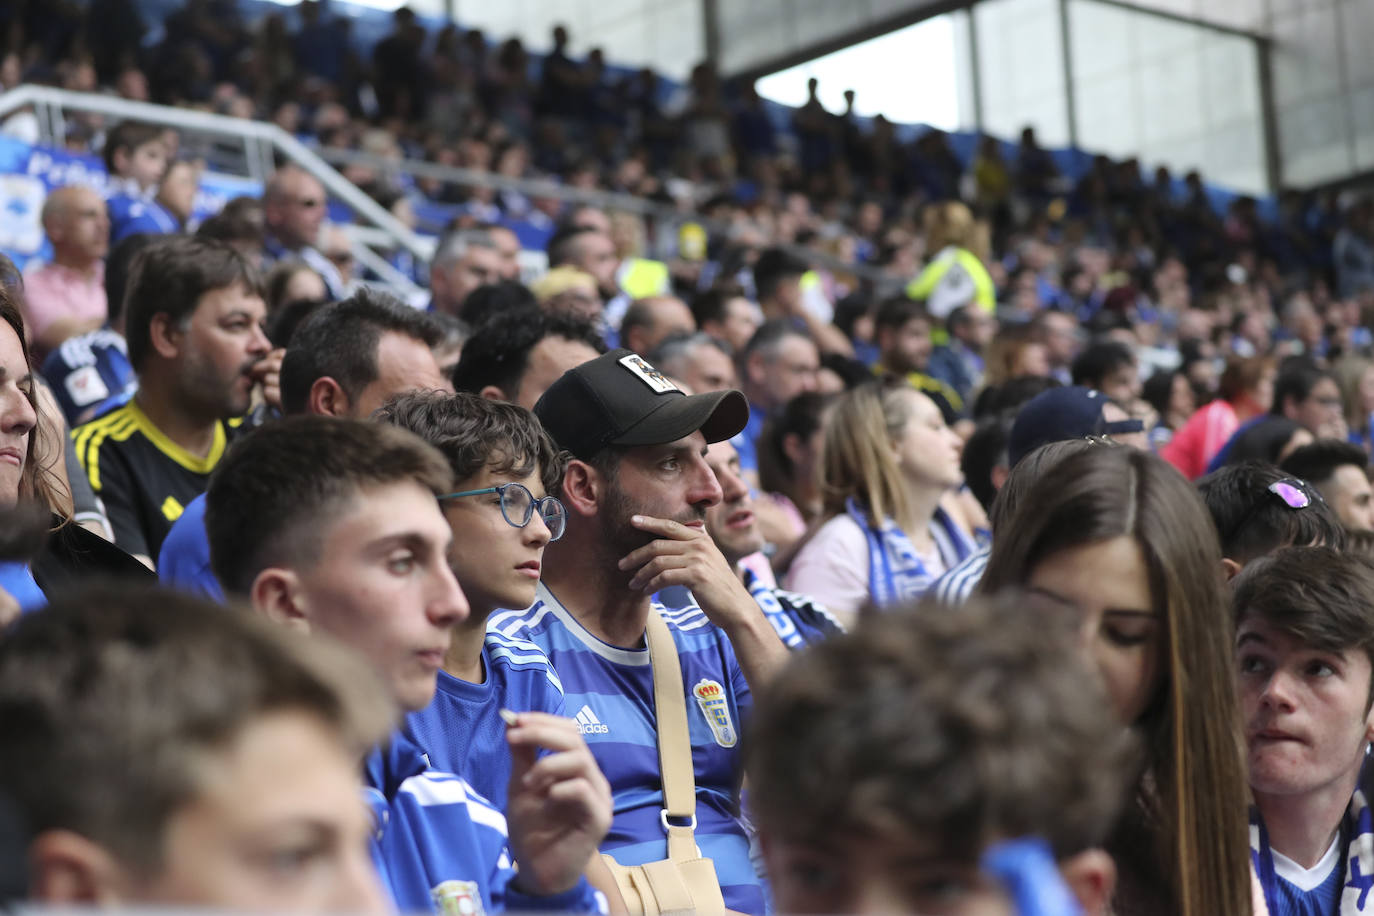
(1091, 875)
(277, 594)
(583, 488)
(1230, 568)
(998, 475)
(327, 398)
(492, 393)
(165, 336)
(67, 869)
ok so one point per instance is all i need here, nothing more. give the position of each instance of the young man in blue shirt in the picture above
(1304, 653)
(637, 490)
(499, 536)
(333, 525)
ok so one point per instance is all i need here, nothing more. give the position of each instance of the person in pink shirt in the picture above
(67, 296)
(1246, 392)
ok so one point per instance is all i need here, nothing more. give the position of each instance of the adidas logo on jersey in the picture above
(589, 724)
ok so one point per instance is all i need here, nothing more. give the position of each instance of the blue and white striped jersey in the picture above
(461, 730)
(609, 690)
(440, 847)
(956, 585)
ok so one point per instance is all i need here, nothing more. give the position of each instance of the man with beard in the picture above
(194, 329)
(637, 491)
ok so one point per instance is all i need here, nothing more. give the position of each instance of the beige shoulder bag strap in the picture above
(674, 743)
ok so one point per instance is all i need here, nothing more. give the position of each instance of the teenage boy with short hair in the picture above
(164, 752)
(334, 525)
(1304, 651)
(502, 517)
(1257, 509)
(908, 765)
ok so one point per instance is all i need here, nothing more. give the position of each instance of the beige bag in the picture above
(686, 881)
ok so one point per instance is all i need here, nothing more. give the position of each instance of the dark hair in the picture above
(128, 136)
(1251, 522)
(499, 351)
(773, 267)
(118, 266)
(1190, 807)
(1158, 390)
(474, 433)
(986, 449)
(565, 244)
(492, 299)
(282, 324)
(1262, 440)
(1100, 360)
(896, 311)
(769, 335)
(1011, 394)
(709, 305)
(850, 309)
(279, 278)
(800, 417)
(1316, 463)
(275, 493)
(110, 698)
(1297, 377)
(169, 277)
(235, 225)
(951, 730)
(853, 373)
(1319, 596)
(340, 341)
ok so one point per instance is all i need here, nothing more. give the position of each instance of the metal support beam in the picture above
(1070, 97)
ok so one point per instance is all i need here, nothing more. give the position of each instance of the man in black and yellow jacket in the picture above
(194, 329)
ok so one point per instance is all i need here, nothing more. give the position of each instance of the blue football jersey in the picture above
(609, 691)
(90, 375)
(461, 730)
(184, 561)
(440, 847)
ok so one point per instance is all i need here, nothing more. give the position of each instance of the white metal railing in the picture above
(260, 142)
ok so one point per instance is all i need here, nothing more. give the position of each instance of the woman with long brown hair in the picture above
(1124, 543)
(32, 474)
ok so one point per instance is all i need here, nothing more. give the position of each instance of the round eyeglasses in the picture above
(518, 505)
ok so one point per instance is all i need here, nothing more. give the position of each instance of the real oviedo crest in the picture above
(711, 698)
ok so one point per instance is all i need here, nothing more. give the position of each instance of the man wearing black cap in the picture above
(636, 491)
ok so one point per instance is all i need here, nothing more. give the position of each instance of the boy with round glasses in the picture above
(503, 464)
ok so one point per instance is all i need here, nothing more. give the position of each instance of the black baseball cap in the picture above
(1059, 414)
(619, 399)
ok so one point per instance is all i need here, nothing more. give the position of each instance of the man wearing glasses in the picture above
(637, 489)
(293, 209)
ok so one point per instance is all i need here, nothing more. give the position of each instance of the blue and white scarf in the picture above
(1356, 896)
(896, 571)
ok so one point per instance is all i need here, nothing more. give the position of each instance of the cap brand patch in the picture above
(647, 374)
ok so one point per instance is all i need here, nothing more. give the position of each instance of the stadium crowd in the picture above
(869, 530)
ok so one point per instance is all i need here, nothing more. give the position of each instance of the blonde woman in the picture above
(888, 464)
